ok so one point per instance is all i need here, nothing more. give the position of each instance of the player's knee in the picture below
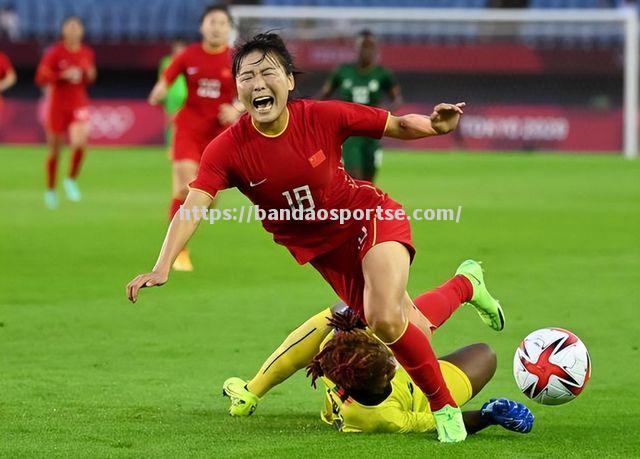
(490, 356)
(77, 145)
(181, 192)
(486, 356)
(386, 325)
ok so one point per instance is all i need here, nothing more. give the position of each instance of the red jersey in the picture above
(210, 84)
(300, 167)
(65, 93)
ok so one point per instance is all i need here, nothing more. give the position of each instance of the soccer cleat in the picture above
(450, 424)
(71, 190)
(487, 306)
(511, 415)
(51, 199)
(183, 261)
(243, 402)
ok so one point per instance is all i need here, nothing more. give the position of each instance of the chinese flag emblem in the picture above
(317, 158)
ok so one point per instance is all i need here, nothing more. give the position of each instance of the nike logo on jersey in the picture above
(252, 184)
(192, 70)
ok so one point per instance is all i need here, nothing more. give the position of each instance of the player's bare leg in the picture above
(183, 173)
(386, 302)
(54, 144)
(295, 353)
(78, 137)
(478, 361)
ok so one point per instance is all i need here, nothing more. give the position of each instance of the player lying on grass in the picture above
(366, 391)
(285, 155)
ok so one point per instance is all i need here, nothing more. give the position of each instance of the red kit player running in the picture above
(285, 155)
(208, 109)
(66, 70)
(7, 75)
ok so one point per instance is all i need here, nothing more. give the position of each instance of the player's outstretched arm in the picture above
(159, 91)
(179, 232)
(444, 119)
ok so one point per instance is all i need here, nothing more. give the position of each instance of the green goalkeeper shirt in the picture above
(177, 91)
(361, 87)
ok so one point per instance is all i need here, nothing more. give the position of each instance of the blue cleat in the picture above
(511, 415)
(71, 189)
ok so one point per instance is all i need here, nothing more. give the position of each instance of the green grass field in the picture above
(85, 373)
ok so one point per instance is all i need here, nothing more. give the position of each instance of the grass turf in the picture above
(85, 373)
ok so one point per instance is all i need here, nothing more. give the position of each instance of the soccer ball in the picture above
(551, 366)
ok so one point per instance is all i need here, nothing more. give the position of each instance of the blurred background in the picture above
(529, 85)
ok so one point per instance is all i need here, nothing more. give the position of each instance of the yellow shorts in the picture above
(457, 382)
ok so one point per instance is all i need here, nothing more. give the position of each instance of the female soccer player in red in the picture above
(7, 75)
(286, 155)
(66, 70)
(208, 109)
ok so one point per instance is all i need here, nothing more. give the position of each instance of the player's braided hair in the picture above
(267, 43)
(353, 359)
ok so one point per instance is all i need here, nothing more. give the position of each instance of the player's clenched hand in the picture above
(445, 117)
(152, 279)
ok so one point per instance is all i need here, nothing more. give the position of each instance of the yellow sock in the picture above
(294, 353)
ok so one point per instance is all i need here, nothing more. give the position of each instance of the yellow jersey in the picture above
(406, 409)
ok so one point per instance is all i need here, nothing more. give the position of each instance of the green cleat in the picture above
(487, 306)
(243, 402)
(450, 424)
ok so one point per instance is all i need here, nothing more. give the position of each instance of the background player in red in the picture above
(286, 155)
(7, 75)
(65, 71)
(208, 109)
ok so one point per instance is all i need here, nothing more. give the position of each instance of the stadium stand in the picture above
(116, 21)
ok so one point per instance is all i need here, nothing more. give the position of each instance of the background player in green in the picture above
(363, 82)
(177, 91)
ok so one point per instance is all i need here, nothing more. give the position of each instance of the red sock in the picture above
(52, 168)
(175, 206)
(76, 161)
(438, 304)
(414, 352)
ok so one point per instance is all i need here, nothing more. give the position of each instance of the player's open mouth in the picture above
(263, 103)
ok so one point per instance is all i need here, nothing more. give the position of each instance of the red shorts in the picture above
(59, 119)
(189, 144)
(342, 267)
